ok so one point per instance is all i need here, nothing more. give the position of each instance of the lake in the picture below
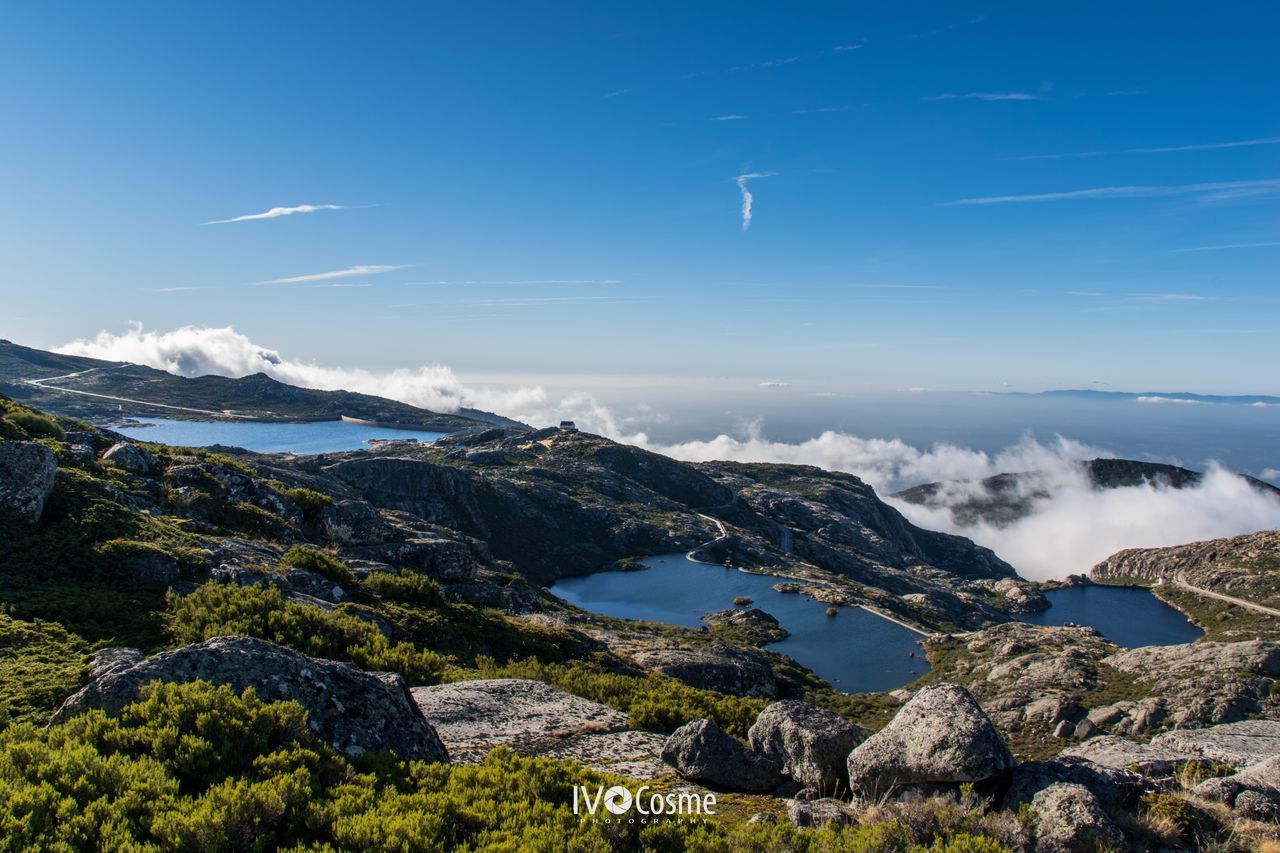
(311, 437)
(856, 650)
(1126, 616)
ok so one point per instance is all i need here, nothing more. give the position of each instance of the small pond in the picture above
(1127, 616)
(311, 437)
(856, 650)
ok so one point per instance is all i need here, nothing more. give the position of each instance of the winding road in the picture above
(43, 385)
(1179, 582)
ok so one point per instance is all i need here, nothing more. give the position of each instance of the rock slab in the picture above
(27, 470)
(811, 744)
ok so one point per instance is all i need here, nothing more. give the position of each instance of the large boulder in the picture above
(940, 737)
(1236, 744)
(810, 743)
(352, 710)
(27, 469)
(700, 751)
(1254, 791)
(1069, 819)
(736, 672)
(1113, 787)
(130, 457)
(534, 718)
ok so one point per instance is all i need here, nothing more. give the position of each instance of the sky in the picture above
(884, 195)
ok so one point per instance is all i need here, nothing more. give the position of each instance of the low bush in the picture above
(218, 610)
(309, 501)
(34, 424)
(410, 587)
(320, 562)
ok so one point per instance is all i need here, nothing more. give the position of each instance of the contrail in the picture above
(741, 181)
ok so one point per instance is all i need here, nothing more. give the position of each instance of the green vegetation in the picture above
(410, 588)
(40, 665)
(20, 423)
(216, 610)
(321, 562)
(196, 767)
(309, 501)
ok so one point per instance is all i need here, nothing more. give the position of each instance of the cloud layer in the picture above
(276, 212)
(1066, 533)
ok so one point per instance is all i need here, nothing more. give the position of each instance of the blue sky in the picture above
(550, 188)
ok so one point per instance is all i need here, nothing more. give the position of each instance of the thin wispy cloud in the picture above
(845, 48)
(180, 289)
(1217, 190)
(1163, 149)
(729, 117)
(525, 281)
(1226, 246)
(985, 96)
(277, 212)
(338, 285)
(619, 92)
(747, 198)
(1167, 297)
(561, 300)
(840, 109)
(347, 272)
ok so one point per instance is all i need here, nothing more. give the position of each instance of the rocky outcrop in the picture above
(27, 470)
(533, 718)
(443, 559)
(1206, 683)
(1254, 791)
(1069, 819)
(815, 814)
(752, 624)
(131, 457)
(726, 671)
(1112, 786)
(940, 736)
(701, 752)
(352, 710)
(1236, 744)
(809, 743)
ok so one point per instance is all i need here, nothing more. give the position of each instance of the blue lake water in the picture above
(856, 650)
(1126, 616)
(313, 437)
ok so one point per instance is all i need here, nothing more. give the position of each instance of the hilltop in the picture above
(96, 390)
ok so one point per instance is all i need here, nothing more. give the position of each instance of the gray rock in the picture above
(1258, 785)
(130, 457)
(940, 736)
(811, 744)
(1071, 820)
(701, 752)
(27, 470)
(352, 710)
(1258, 805)
(534, 718)
(443, 559)
(1051, 710)
(1237, 744)
(1114, 788)
(734, 672)
(1085, 729)
(818, 813)
(763, 817)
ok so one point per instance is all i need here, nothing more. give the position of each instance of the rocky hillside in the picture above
(1006, 498)
(358, 655)
(97, 390)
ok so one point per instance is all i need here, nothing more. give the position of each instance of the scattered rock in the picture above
(729, 671)
(352, 710)
(758, 626)
(1070, 820)
(940, 736)
(811, 744)
(27, 470)
(701, 752)
(818, 813)
(131, 457)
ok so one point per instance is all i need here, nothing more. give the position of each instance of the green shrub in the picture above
(40, 665)
(219, 610)
(309, 501)
(321, 562)
(410, 587)
(35, 425)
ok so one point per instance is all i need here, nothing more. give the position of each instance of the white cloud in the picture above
(277, 212)
(1078, 526)
(1181, 400)
(771, 383)
(1218, 190)
(1226, 246)
(359, 269)
(747, 198)
(985, 96)
(729, 117)
(1272, 474)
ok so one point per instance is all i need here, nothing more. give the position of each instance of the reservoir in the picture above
(856, 650)
(1127, 616)
(310, 437)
